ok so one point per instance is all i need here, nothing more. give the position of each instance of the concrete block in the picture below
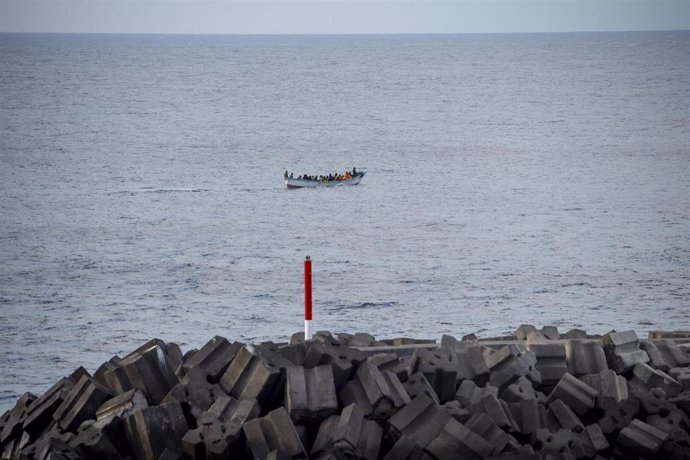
(40, 413)
(612, 388)
(56, 449)
(348, 436)
(617, 417)
(195, 392)
(673, 354)
(439, 368)
(499, 412)
(675, 451)
(623, 351)
(457, 441)
(417, 384)
(420, 421)
(560, 442)
(120, 406)
(383, 390)
(578, 395)
(405, 449)
(594, 441)
(250, 376)
(274, 432)
(106, 441)
(639, 440)
(455, 410)
(169, 454)
(656, 359)
(585, 357)
(353, 393)
(522, 389)
(15, 417)
(81, 403)
(390, 362)
(508, 364)
(362, 339)
(342, 359)
(551, 362)
(109, 365)
(469, 394)
(529, 414)
(310, 394)
(682, 401)
(574, 334)
(216, 438)
(524, 330)
(153, 429)
(651, 378)
(151, 369)
(675, 423)
(483, 426)
(564, 417)
(214, 358)
(551, 332)
(469, 359)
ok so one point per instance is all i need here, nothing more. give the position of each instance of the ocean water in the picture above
(512, 179)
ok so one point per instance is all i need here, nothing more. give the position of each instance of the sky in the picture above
(341, 17)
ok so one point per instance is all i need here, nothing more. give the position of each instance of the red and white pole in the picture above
(307, 298)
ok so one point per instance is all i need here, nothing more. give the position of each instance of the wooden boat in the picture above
(308, 183)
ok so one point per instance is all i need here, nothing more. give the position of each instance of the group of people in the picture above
(347, 175)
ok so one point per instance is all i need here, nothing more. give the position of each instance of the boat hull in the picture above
(301, 183)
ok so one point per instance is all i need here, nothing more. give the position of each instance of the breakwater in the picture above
(538, 394)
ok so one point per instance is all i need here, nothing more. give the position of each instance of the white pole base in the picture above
(307, 329)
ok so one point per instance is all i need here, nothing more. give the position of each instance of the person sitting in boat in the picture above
(354, 171)
(285, 175)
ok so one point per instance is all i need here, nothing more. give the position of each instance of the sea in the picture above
(511, 178)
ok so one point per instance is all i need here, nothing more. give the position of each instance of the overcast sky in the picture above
(335, 16)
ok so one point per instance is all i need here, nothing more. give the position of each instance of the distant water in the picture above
(512, 179)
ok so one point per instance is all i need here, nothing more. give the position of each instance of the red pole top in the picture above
(307, 289)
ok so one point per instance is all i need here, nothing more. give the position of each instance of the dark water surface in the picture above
(512, 179)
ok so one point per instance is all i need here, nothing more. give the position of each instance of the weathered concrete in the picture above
(575, 393)
(639, 440)
(151, 430)
(81, 403)
(623, 351)
(214, 358)
(250, 376)
(310, 393)
(585, 357)
(274, 432)
(420, 421)
(383, 390)
(457, 441)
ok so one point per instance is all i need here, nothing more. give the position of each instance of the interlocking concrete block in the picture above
(508, 364)
(675, 423)
(40, 413)
(585, 357)
(675, 451)
(15, 417)
(623, 351)
(274, 432)
(457, 441)
(469, 359)
(353, 393)
(656, 359)
(219, 432)
(417, 384)
(559, 442)
(362, 339)
(120, 406)
(194, 391)
(563, 417)
(151, 368)
(551, 332)
(575, 393)
(57, 449)
(639, 440)
(594, 441)
(390, 362)
(405, 449)
(455, 410)
(551, 362)
(81, 403)
(522, 389)
(106, 441)
(486, 428)
(617, 417)
(250, 376)
(673, 354)
(530, 415)
(439, 368)
(348, 435)
(420, 421)
(153, 429)
(295, 353)
(574, 334)
(383, 390)
(342, 359)
(612, 388)
(214, 357)
(499, 412)
(310, 393)
(651, 378)
(109, 365)
(524, 330)
(469, 394)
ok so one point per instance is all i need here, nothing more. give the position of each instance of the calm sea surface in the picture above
(511, 179)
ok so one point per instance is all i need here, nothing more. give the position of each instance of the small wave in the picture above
(159, 190)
